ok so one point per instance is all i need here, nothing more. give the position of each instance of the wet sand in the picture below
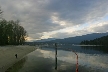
(7, 55)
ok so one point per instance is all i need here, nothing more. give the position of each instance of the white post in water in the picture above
(55, 56)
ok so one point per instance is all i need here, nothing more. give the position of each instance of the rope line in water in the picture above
(76, 61)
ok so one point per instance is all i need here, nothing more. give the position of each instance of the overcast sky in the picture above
(58, 18)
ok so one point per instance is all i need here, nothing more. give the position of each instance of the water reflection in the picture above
(83, 49)
(88, 60)
(103, 49)
(43, 60)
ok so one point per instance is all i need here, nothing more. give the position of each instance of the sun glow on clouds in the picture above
(30, 39)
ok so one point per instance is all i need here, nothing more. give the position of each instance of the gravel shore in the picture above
(7, 55)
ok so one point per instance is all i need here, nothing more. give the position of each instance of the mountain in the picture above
(78, 39)
(44, 40)
(98, 41)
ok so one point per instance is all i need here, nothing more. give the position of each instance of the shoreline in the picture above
(7, 55)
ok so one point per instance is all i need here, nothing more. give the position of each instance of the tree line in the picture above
(98, 41)
(11, 33)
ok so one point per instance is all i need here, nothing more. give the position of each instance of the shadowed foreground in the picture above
(7, 55)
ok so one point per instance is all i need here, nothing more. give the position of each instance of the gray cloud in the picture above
(32, 15)
(74, 33)
(78, 11)
(101, 29)
(35, 15)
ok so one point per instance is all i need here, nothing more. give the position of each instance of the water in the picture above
(91, 59)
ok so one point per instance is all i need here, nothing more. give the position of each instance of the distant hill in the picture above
(78, 39)
(98, 41)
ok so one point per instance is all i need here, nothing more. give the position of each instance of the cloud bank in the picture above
(58, 18)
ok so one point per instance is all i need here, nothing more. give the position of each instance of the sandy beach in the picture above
(7, 55)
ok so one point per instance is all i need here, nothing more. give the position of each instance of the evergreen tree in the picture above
(98, 41)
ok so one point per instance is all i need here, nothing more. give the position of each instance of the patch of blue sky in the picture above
(105, 18)
(82, 26)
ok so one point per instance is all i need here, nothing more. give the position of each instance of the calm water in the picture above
(91, 59)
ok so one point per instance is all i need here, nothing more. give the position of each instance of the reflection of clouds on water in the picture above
(47, 54)
(88, 60)
(98, 61)
(44, 61)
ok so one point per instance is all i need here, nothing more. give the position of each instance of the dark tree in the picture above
(98, 41)
(11, 33)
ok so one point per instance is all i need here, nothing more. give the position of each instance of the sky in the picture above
(44, 19)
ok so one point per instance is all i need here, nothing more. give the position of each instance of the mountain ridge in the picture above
(78, 39)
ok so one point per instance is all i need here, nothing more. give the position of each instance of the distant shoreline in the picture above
(87, 45)
(7, 55)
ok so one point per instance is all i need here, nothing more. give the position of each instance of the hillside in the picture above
(98, 41)
(78, 39)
